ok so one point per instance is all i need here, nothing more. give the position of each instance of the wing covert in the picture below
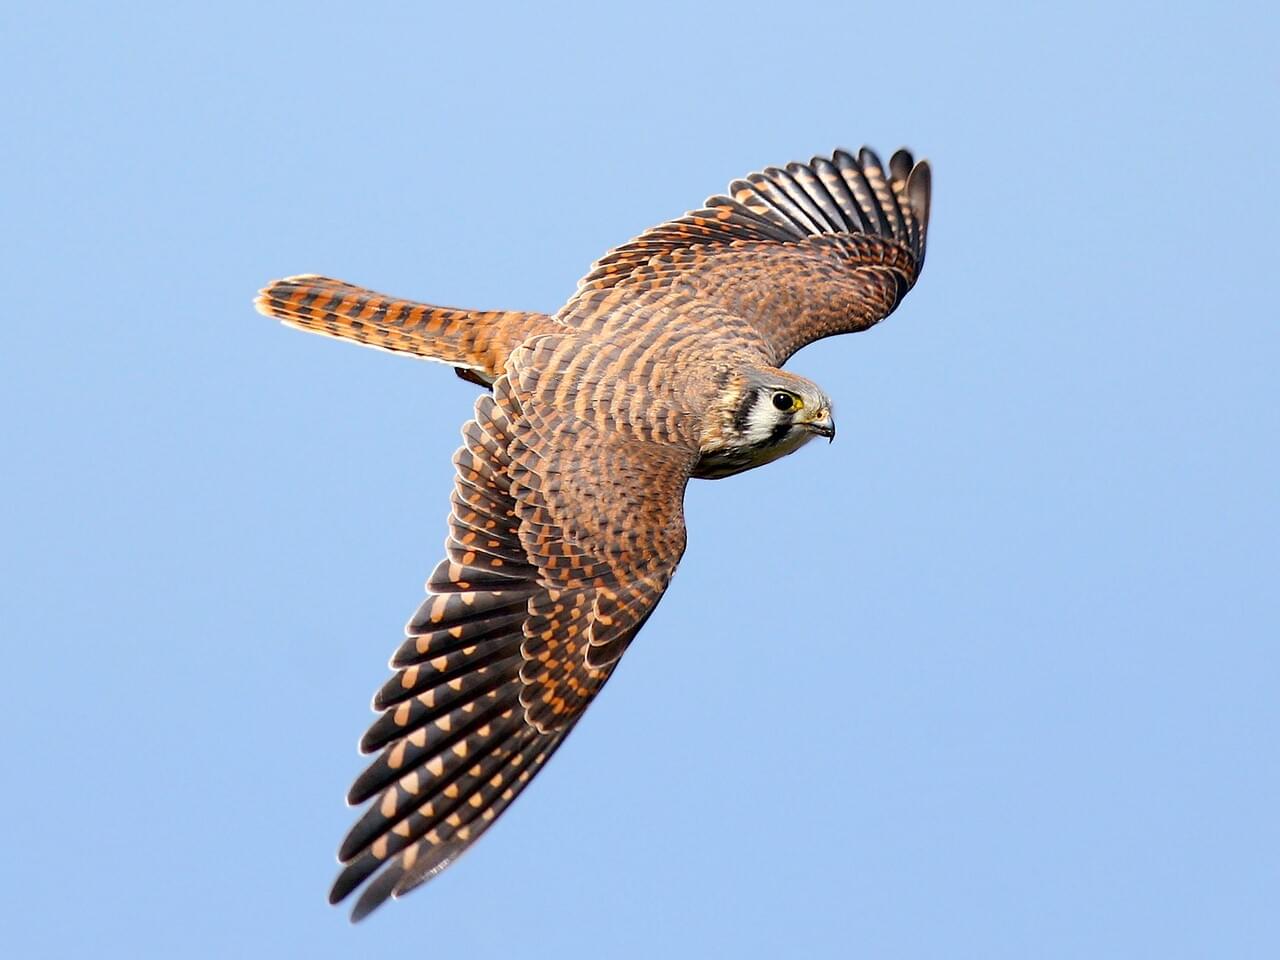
(802, 252)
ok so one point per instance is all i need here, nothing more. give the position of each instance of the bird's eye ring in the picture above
(786, 402)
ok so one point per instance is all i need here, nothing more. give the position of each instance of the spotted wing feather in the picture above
(538, 596)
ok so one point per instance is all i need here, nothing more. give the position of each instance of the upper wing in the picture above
(804, 252)
(562, 537)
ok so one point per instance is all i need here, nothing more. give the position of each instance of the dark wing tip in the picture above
(375, 894)
(920, 190)
(352, 875)
(869, 158)
(900, 164)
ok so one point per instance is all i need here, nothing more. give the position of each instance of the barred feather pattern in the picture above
(520, 630)
(477, 342)
(567, 519)
(801, 252)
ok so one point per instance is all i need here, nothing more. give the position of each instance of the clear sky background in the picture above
(995, 675)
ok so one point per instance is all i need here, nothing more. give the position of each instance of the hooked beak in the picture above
(823, 425)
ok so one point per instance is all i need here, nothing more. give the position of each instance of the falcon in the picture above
(567, 514)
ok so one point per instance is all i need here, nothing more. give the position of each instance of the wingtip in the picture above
(869, 158)
(377, 893)
(901, 164)
(362, 910)
(920, 189)
(336, 894)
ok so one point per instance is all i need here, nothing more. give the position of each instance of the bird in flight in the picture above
(567, 514)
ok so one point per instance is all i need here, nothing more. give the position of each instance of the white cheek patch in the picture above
(761, 422)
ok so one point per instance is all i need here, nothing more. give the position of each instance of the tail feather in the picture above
(476, 342)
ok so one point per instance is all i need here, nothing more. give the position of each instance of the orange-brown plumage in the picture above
(567, 514)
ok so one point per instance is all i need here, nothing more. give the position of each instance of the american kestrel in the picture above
(567, 519)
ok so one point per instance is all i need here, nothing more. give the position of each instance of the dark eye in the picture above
(786, 402)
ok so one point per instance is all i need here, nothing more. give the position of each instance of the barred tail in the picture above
(477, 342)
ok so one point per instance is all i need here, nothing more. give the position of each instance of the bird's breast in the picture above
(718, 462)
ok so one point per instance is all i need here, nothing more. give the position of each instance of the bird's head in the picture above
(762, 414)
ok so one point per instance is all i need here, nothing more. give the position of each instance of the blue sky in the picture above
(994, 675)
